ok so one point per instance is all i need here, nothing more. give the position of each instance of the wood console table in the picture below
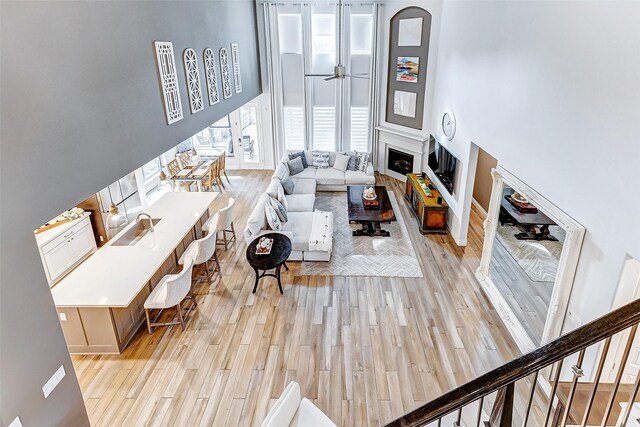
(432, 217)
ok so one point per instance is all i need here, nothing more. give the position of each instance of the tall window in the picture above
(316, 113)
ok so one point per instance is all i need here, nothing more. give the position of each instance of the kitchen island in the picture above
(100, 303)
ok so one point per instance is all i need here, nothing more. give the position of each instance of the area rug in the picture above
(538, 259)
(391, 256)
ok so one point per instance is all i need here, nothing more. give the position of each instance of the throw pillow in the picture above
(272, 217)
(281, 198)
(363, 161)
(295, 166)
(341, 163)
(353, 162)
(280, 210)
(302, 156)
(288, 185)
(320, 159)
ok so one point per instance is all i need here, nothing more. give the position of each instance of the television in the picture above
(443, 164)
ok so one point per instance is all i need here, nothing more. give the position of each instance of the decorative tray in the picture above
(264, 246)
(521, 207)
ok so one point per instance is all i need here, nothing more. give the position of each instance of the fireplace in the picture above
(399, 162)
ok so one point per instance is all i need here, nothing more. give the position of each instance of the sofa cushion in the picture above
(272, 189)
(341, 162)
(257, 219)
(300, 202)
(302, 157)
(353, 162)
(281, 172)
(295, 166)
(363, 161)
(321, 159)
(272, 217)
(304, 186)
(330, 176)
(358, 178)
(288, 184)
(279, 208)
(309, 172)
(300, 224)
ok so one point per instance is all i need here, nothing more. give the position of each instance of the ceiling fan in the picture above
(339, 70)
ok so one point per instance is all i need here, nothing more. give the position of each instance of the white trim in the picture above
(480, 209)
(404, 134)
(566, 266)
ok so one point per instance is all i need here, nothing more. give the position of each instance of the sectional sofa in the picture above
(300, 204)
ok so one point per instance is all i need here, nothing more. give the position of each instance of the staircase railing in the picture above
(559, 411)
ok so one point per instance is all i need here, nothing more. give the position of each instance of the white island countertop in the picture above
(114, 275)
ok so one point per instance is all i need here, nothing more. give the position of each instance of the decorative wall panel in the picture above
(210, 76)
(226, 77)
(192, 73)
(235, 57)
(168, 81)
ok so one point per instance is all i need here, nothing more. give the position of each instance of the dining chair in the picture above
(184, 159)
(212, 178)
(172, 290)
(203, 251)
(174, 168)
(223, 166)
(222, 222)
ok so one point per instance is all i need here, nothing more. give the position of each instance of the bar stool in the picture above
(172, 290)
(202, 251)
(222, 221)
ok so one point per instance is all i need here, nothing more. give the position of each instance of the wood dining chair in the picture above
(174, 168)
(213, 178)
(223, 166)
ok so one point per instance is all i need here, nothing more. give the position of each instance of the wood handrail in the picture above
(540, 358)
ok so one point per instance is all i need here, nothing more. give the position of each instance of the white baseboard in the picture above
(480, 209)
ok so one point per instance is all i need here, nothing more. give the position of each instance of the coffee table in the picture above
(280, 251)
(369, 218)
(528, 221)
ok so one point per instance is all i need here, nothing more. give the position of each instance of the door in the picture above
(246, 131)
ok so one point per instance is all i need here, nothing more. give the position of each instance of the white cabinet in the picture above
(64, 247)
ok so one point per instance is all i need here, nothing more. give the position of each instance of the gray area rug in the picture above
(538, 259)
(391, 256)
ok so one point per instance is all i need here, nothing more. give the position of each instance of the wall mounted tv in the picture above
(443, 164)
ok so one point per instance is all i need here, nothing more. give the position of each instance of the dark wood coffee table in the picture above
(509, 214)
(369, 218)
(280, 251)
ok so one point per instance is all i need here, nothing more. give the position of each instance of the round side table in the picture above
(277, 258)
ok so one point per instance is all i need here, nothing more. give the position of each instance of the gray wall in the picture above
(80, 108)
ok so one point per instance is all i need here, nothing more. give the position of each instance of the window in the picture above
(151, 169)
(316, 113)
(216, 137)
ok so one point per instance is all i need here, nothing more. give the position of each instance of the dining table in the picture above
(194, 172)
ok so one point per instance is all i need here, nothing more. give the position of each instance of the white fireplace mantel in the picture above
(412, 144)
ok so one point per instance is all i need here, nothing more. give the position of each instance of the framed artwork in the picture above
(404, 103)
(210, 76)
(226, 76)
(407, 68)
(192, 73)
(410, 32)
(168, 81)
(235, 59)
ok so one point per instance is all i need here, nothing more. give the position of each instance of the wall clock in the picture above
(448, 124)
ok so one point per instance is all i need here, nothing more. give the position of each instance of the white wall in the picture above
(552, 90)
(460, 202)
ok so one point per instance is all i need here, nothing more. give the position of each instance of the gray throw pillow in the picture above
(302, 156)
(272, 217)
(280, 210)
(287, 184)
(295, 166)
(353, 162)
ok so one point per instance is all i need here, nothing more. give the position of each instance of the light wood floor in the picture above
(365, 350)
(529, 300)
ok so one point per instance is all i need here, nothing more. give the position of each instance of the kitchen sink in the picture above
(135, 233)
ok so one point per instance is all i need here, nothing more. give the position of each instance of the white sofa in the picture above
(301, 204)
(329, 179)
(290, 410)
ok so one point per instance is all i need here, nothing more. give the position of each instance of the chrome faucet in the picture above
(150, 221)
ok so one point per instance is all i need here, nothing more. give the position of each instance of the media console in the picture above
(432, 216)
